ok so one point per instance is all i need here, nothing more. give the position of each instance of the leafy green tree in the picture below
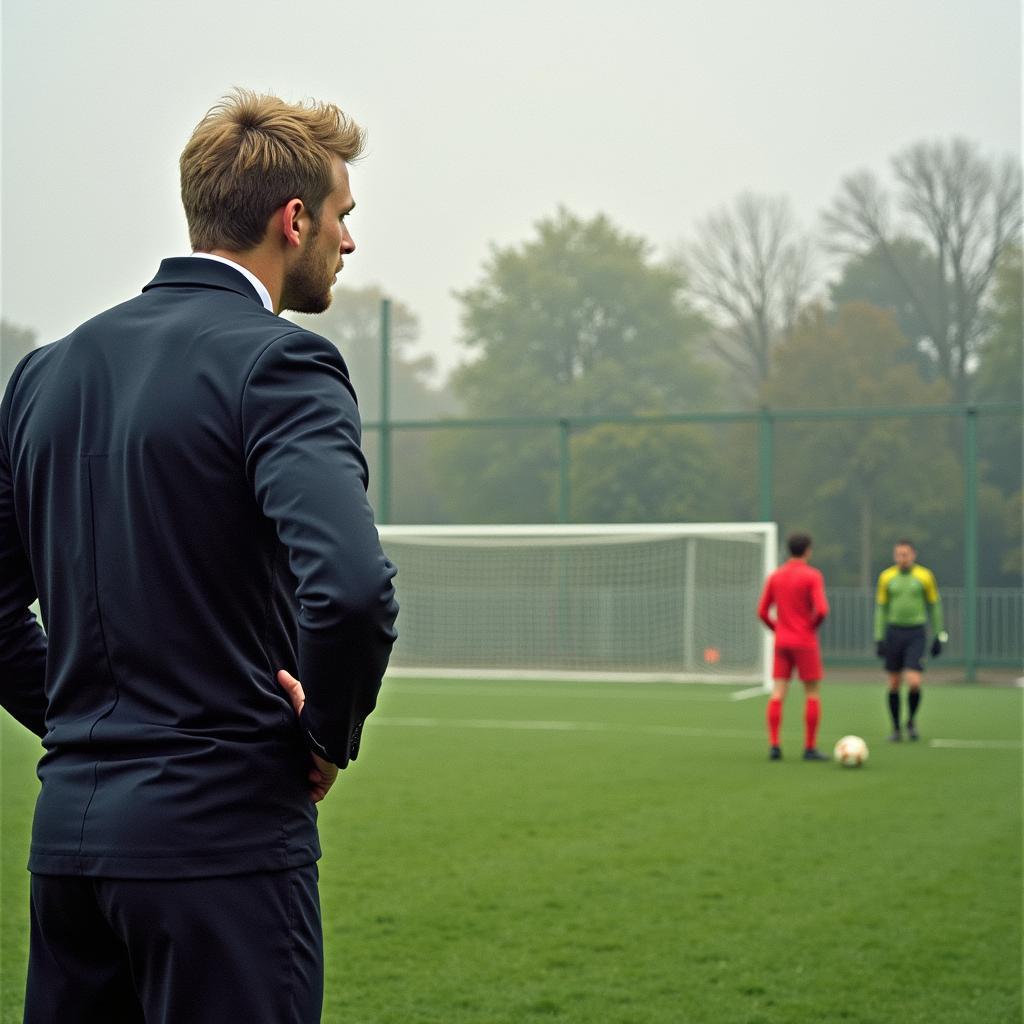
(15, 343)
(635, 474)
(1012, 563)
(857, 485)
(578, 320)
(868, 277)
(966, 210)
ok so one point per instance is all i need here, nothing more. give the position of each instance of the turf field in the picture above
(513, 853)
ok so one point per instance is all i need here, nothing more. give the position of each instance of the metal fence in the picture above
(847, 636)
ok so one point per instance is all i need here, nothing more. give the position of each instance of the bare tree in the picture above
(750, 268)
(965, 209)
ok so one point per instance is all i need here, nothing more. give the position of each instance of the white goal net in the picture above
(633, 602)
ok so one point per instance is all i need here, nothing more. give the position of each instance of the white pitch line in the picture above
(977, 744)
(540, 725)
(753, 691)
(708, 693)
(496, 723)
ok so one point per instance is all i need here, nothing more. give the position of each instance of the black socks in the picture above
(894, 708)
(914, 701)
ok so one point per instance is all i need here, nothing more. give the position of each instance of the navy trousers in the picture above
(166, 951)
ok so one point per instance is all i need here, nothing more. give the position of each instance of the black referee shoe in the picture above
(775, 754)
(810, 754)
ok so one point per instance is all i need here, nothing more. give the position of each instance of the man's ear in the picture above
(292, 221)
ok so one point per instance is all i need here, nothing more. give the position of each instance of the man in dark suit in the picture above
(181, 485)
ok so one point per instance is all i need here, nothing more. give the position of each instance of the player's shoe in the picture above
(895, 736)
(775, 754)
(810, 754)
(911, 731)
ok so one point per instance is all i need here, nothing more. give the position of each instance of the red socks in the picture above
(812, 716)
(774, 720)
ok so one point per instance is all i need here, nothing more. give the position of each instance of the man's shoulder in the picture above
(810, 577)
(887, 574)
(292, 352)
(212, 324)
(295, 341)
(925, 575)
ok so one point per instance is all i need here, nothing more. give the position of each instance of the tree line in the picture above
(907, 293)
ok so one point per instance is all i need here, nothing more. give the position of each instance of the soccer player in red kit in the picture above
(798, 593)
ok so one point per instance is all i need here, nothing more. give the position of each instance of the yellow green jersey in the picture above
(907, 597)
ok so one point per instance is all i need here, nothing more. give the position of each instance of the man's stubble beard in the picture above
(305, 291)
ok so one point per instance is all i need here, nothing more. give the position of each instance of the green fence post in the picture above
(971, 542)
(563, 470)
(384, 496)
(766, 464)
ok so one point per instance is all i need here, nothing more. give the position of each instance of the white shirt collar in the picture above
(260, 287)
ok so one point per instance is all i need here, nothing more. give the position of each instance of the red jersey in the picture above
(798, 593)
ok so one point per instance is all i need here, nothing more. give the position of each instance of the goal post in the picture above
(620, 602)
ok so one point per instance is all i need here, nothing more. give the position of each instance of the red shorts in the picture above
(806, 660)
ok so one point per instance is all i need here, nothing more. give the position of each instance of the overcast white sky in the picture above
(482, 118)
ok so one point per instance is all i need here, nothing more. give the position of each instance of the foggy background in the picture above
(482, 119)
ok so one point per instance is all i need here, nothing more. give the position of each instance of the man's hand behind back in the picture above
(322, 774)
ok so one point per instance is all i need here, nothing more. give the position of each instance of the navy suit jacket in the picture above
(182, 486)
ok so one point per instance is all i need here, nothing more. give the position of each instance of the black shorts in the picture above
(904, 648)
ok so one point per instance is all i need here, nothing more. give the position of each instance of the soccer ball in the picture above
(851, 752)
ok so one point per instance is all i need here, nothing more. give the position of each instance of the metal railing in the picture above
(847, 636)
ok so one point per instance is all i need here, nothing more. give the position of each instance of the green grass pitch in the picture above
(566, 852)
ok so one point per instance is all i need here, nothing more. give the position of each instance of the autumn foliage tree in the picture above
(853, 483)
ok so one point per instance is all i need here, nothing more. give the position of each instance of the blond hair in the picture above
(250, 155)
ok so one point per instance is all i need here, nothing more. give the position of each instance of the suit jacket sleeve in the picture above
(301, 439)
(22, 641)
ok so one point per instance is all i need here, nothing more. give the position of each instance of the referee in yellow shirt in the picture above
(907, 599)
